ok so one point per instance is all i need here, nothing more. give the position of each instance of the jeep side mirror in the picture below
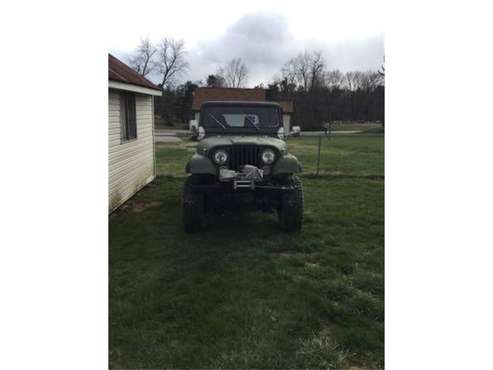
(200, 133)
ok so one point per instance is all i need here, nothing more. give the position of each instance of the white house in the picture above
(131, 131)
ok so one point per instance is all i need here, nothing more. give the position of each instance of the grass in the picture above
(350, 126)
(162, 125)
(243, 294)
(374, 130)
(340, 156)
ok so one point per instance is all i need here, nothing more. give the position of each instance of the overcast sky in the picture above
(265, 34)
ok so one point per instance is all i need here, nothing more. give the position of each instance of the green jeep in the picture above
(242, 161)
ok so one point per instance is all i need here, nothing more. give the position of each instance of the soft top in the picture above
(267, 114)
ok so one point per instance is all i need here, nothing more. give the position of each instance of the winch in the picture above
(245, 178)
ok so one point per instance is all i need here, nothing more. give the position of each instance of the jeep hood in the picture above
(214, 141)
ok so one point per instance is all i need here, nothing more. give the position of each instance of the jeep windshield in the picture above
(240, 118)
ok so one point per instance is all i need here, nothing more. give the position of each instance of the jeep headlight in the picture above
(268, 156)
(220, 157)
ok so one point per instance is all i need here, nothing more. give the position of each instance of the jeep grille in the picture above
(239, 155)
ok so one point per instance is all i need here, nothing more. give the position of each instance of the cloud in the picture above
(256, 38)
(264, 42)
(261, 40)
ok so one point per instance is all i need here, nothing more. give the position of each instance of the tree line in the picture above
(320, 95)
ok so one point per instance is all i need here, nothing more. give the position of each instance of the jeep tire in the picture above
(291, 206)
(194, 218)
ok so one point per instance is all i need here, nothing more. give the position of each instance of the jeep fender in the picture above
(288, 163)
(200, 164)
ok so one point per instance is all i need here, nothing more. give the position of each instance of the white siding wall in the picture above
(194, 121)
(131, 163)
(286, 119)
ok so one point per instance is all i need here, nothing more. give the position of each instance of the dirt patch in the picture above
(138, 207)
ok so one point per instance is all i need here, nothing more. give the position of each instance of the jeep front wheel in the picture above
(194, 218)
(291, 208)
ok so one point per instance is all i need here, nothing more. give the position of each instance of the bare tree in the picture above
(334, 79)
(316, 69)
(300, 66)
(352, 80)
(142, 59)
(170, 61)
(289, 72)
(234, 73)
(282, 84)
(370, 80)
(381, 71)
(305, 70)
(215, 80)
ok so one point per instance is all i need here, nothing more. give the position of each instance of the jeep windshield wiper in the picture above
(217, 121)
(251, 122)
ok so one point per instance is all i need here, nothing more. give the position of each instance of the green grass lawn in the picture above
(244, 294)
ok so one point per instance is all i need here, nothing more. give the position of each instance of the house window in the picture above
(128, 119)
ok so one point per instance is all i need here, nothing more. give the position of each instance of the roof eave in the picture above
(133, 88)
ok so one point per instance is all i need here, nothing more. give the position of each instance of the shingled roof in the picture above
(120, 72)
(286, 105)
(203, 94)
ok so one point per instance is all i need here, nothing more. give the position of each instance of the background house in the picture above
(131, 131)
(287, 114)
(203, 94)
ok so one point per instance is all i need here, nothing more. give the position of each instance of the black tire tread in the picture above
(292, 202)
(194, 219)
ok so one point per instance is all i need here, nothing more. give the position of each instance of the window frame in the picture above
(128, 117)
